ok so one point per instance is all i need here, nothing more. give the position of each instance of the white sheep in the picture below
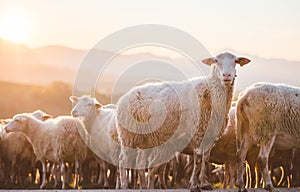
(99, 122)
(56, 140)
(17, 149)
(151, 115)
(267, 115)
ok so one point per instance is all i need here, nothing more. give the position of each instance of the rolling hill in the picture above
(41, 66)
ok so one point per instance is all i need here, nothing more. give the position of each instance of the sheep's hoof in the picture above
(207, 187)
(106, 187)
(270, 188)
(163, 187)
(43, 186)
(242, 190)
(55, 186)
(195, 189)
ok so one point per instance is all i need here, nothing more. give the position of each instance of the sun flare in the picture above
(15, 27)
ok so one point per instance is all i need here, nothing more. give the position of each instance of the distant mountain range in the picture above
(44, 65)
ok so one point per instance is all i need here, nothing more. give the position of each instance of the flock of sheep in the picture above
(197, 115)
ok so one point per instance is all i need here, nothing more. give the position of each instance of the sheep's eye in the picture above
(216, 60)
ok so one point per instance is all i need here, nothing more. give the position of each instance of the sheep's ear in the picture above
(242, 61)
(5, 121)
(47, 116)
(209, 61)
(74, 99)
(98, 105)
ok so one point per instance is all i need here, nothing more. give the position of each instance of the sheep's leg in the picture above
(123, 178)
(255, 178)
(77, 167)
(142, 178)
(56, 175)
(13, 171)
(204, 184)
(112, 174)
(161, 175)
(151, 177)
(125, 158)
(102, 178)
(226, 176)
(63, 173)
(174, 171)
(242, 152)
(134, 177)
(194, 178)
(118, 179)
(231, 169)
(104, 172)
(100, 175)
(43, 185)
(263, 159)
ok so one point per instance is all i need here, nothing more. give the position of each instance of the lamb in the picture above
(99, 122)
(267, 115)
(56, 140)
(176, 115)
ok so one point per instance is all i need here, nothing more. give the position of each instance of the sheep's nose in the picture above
(6, 129)
(73, 112)
(227, 75)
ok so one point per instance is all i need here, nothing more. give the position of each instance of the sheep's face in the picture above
(225, 66)
(40, 115)
(18, 123)
(85, 106)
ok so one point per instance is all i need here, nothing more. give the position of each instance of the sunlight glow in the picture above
(15, 27)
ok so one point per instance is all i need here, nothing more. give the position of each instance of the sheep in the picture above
(267, 115)
(99, 122)
(153, 114)
(224, 151)
(18, 150)
(56, 140)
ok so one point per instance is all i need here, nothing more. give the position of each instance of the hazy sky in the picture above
(267, 28)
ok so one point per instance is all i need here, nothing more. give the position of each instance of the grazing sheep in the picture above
(99, 122)
(267, 115)
(56, 140)
(151, 115)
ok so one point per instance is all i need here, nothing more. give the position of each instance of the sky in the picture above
(265, 28)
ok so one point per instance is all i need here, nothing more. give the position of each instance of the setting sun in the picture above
(15, 27)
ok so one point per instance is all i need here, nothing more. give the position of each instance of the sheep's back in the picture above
(134, 111)
(173, 101)
(65, 141)
(271, 109)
